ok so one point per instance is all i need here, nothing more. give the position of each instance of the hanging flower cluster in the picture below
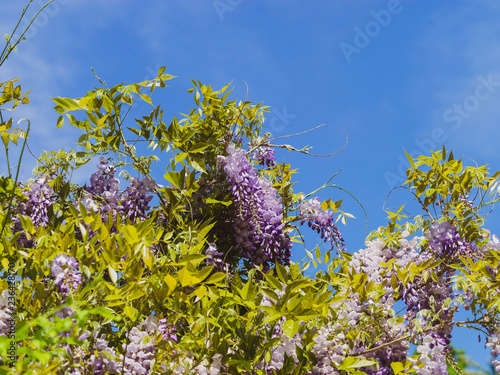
(445, 241)
(493, 342)
(261, 235)
(135, 203)
(104, 196)
(65, 273)
(262, 153)
(322, 222)
(39, 199)
(215, 258)
(285, 347)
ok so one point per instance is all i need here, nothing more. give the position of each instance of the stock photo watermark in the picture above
(454, 116)
(278, 122)
(364, 36)
(9, 311)
(223, 6)
(50, 11)
(460, 111)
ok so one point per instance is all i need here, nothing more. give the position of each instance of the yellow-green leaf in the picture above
(171, 282)
(112, 274)
(131, 312)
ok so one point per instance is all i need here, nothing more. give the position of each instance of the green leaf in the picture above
(5, 139)
(354, 362)
(146, 98)
(171, 282)
(273, 281)
(131, 312)
(215, 201)
(410, 159)
(324, 205)
(282, 274)
(203, 274)
(174, 178)
(216, 277)
(197, 163)
(112, 274)
(185, 277)
(60, 121)
(290, 328)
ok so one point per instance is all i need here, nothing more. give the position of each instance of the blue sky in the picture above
(393, 75)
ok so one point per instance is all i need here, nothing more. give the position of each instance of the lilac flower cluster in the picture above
(36, 207)
(65, 273)
(321, 221)
(445, 241)
(187, 365)
(493, 243)
(104, 189)
(428, 297)
(168, 330)
(493, 342)
(5, 313)
(432, 357)
(373, 262)
(103, 194)
(262, 153)
(135, 204)
(215, 258)
(286, 345)
(39, 199)
(257, 219)
(103, 359)
(140, 350)
(331, 345)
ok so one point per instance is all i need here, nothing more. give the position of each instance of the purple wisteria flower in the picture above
(264, 155)
(139, 351)
(260, 233)
(36, 207)
(493, 342)
(322, 222)
(431, 356)
(168, 330)
(104, 190)
(135, 202)
(286, 345)
(103, 359)
(215, 258)
(431, 295)
(445, 240)
(65, 273)
(104, 194)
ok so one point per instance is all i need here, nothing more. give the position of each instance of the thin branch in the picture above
(11, 198)
(416, 197)
(7, 50)
(290, 148)
(406, 337)
(304, 132)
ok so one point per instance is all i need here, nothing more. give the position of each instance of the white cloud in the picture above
(45, 77)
